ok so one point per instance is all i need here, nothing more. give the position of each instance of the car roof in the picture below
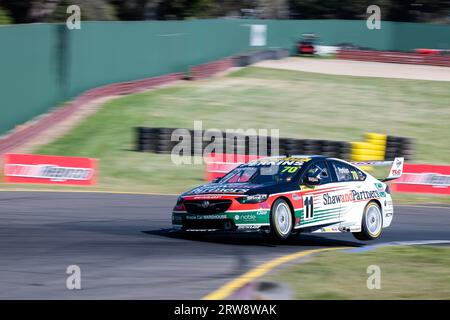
(292, 157)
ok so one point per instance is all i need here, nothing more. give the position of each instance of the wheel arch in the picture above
(377, 202)
(289, 203)
(274, 234)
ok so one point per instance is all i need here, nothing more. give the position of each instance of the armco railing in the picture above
(209, 69)
(442, 60)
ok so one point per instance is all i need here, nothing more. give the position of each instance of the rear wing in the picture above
(396, 167)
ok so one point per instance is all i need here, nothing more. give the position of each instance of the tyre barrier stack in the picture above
(158, 140)
(252, 57)
(373, 148)
(379, 146)
(399, 147)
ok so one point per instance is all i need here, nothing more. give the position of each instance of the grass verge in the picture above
(419, 272)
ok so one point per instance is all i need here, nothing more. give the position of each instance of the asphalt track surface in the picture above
(125, 250)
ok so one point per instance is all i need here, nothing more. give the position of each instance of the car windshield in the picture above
(257, 174)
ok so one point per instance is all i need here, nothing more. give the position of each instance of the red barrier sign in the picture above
(423, 178)
(30, 168)
(219, 164)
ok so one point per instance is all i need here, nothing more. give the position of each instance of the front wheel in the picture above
(280, 220)
(372, 223)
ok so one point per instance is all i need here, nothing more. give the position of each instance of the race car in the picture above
(307, 45)
(283, 196)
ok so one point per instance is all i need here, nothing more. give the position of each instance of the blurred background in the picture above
(23, 11)
(349, 79)
(95, 92)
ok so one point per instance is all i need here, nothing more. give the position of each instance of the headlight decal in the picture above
(256, 198)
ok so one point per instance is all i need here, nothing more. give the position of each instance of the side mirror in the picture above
(311, 181)
(215, 180)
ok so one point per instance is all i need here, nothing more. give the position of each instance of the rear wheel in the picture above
(372, 223)
(280, 220)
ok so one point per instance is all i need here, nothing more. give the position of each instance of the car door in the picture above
(318, 208)
(351, 181)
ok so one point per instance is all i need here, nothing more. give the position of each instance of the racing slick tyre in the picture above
(294, 234)
(281, 221)
(372, 223)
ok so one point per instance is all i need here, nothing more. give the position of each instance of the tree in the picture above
(90, 10)
(18, 9)
(182, 9)
(391, 10)
(25, 11)
(273, 9)
(5, 17)
(132, 10)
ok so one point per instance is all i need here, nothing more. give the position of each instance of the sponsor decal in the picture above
(343, 171)
(380, 188)
(177, 218)
(330, 229)
(248, 217)
(396, 171)
(205, 204)
(433, 179)
(423, 178)
(218, 164)
(248, 226)
(350, 196)
(218, 190)
(296, 196)
(206, 217)
(206, 197)
(279, 162)
(28, 168)
(222, 188)
(48, 171)
(261, 212)
(236, 217)
(308, 205)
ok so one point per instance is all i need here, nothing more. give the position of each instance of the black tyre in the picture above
(281, 220)
(372, 223)
(294, 234)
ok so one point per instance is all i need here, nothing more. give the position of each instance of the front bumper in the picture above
(250, 220)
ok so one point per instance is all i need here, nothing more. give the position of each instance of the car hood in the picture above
(230, 188)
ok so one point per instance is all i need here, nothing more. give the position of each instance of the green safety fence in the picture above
(43, 65)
